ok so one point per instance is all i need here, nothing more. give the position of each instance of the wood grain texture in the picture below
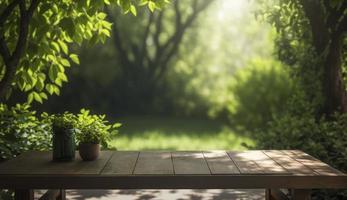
(153, 163)
(121, 163)
(220, 163)
(34, 162)
(256, 162)
(290, 164)
(190, 163)
(171, 170)
(316, 165)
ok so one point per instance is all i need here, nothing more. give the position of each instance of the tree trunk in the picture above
(333, 85)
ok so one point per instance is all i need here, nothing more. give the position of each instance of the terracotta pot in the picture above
(89, 152)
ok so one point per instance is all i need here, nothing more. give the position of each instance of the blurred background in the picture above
(194, 75)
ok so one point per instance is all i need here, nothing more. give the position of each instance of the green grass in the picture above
(154, 133)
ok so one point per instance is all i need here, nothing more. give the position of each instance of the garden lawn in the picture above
(154, 133)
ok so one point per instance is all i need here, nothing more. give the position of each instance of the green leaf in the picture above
(68, 25)
(74, 58)
(53, 72)
(56, 46)
(151, 5)
(21, 83)
(52, 58)
(116, 125)
(65, 62)
(30, 98)
(39, 85)
(37, 97)
(50, 88)
(56, 90)
(43, 95)
(133, 10)
(63, 46)
(62, 76)
(101, 15)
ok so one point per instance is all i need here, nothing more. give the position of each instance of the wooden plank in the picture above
(256, 162)
(290, 164)
(153, 163)
(34, 162)
(189, 163)
(318, 166)
(220, 163)
(184, 181)
(245, 165)
(121, 162)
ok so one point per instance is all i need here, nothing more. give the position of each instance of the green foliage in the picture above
(322, 138)
(22, 130)
(94, 129)
(62, 122)
(258, 93)
(303, 125)
(54, 28)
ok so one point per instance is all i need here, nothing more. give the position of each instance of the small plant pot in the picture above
(63, 145)
(89, 152)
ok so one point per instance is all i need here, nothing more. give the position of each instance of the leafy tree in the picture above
(312, 36)
(145, 51)
(35, 37)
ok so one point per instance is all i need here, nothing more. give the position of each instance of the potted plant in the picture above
(93, 131)
(63, 137)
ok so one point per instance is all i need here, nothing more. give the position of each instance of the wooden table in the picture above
(271, 170)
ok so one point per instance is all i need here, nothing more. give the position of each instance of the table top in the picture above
(176, 169)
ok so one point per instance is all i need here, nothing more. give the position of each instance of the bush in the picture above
(22, 130)
(258, 92)
(322, 138)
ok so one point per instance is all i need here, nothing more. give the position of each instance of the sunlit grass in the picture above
(148, 133)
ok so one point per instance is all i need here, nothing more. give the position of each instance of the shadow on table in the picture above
(165, 194)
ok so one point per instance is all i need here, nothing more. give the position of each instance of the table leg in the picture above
(24, 194)
(268, 195)
(62, 195)
(275, 194)
(301, 194)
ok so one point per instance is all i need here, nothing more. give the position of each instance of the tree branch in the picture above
(7, 12)
(158, 29)
(117, 40)
(335, 15)
(14, 60)
(172, 45)
(315, 14)
(144, 51)
(4, 51)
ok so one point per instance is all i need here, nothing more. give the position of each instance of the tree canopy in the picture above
(312, 37)
(36, 35)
